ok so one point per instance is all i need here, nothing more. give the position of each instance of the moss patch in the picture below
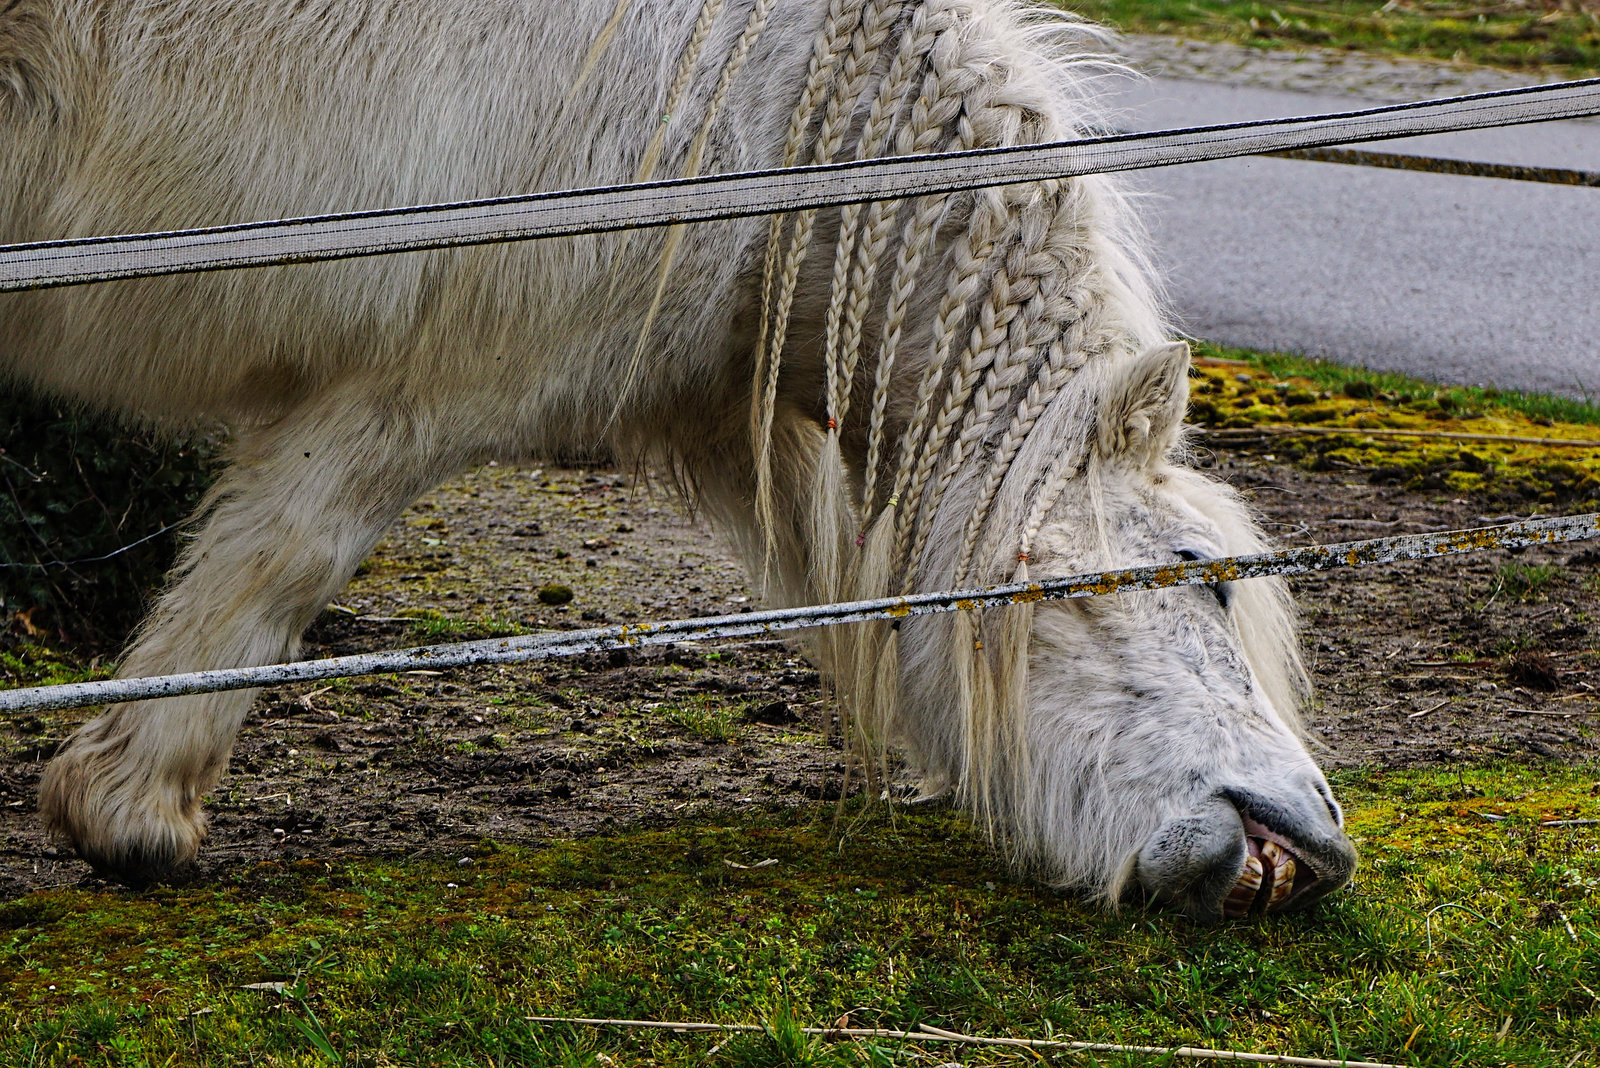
(1255, 400)
(1561, 36)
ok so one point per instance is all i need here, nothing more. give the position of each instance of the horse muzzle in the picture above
(1245, 853)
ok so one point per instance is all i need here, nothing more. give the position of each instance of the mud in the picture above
(1463, 659)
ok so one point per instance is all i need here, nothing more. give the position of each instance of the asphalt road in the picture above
(1455, 279)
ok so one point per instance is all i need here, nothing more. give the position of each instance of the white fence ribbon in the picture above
(551, 644)
(46, 264)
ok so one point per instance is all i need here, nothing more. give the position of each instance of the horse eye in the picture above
(1218, 590)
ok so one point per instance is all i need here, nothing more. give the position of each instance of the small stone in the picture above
(555, 593)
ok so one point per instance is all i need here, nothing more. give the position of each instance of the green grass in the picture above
(1491, 445)
(1561, 37)
(712, 720)
(431, 625)
(1525, 582)
(1458, 923)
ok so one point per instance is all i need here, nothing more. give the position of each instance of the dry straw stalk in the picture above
(936, 1034)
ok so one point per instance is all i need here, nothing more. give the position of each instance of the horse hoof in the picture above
(136, 839)
(138, 865)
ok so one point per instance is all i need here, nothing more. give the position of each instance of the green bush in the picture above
(90, 513)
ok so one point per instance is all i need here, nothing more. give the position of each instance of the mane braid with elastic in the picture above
(839, 26)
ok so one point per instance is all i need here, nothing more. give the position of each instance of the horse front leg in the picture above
(302, 504)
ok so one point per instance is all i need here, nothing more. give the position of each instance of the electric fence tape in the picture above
(40, 265)
(549, 645)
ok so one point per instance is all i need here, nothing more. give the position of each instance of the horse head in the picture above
(1164, 723)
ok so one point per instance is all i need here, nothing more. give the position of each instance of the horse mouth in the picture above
(1275, 876)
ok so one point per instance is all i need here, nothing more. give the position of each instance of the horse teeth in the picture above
(1242, 897)
(1284, 884)
(1251, 878)
(1283, 872)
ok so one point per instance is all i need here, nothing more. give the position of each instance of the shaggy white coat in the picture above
(354, 387)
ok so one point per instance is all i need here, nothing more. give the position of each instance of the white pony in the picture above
(949, 390)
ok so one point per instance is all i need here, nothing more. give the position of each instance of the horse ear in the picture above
(1145, 406)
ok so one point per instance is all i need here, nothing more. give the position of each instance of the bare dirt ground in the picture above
(1449, 660)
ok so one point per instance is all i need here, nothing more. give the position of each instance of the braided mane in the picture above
(1021, 287)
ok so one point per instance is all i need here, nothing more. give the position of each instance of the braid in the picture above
(930, 24)
(877, 20)
(919, 234)
(731, 68)
(972, 255)
(681, 79)
(847, 309)
(1039, 315)
(843, 18)
(1062, 360)
(730, 71)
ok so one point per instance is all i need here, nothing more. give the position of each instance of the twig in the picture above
(1278, 430)
(1570, 823)
(934, 1034)
(1430, 708)
(1558, 715)
(94, 559)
